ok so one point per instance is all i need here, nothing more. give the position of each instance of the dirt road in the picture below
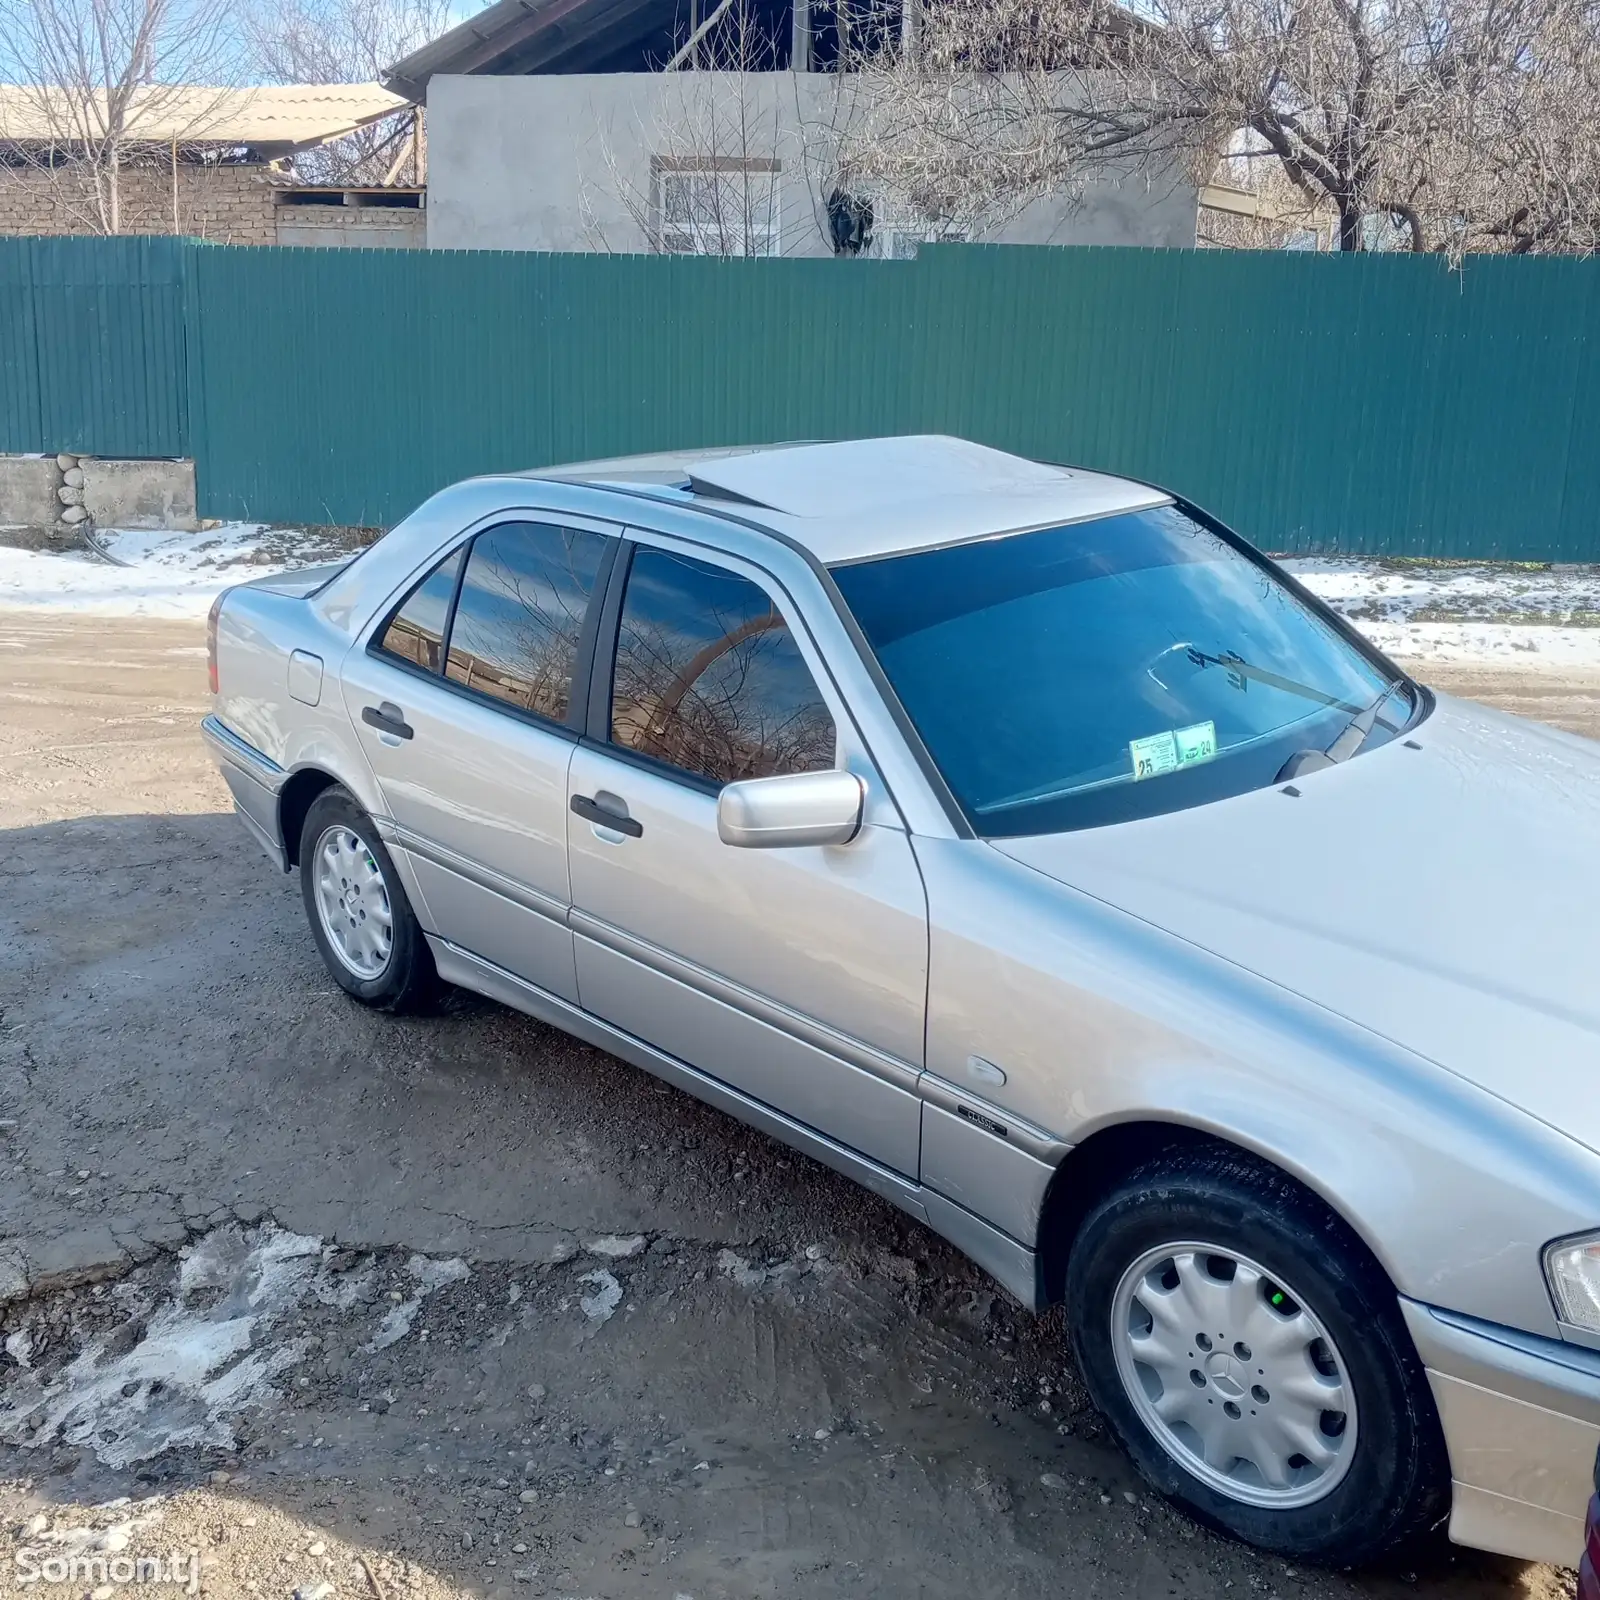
(466, 1307)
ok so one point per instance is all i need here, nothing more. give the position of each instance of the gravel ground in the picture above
(357, 1306)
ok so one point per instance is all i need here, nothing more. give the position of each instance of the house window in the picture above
(717, 206)
(897, 231)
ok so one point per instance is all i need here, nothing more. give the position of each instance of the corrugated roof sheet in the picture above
(283, 116)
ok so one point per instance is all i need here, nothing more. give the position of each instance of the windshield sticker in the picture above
(1197, 743)
(1162, 753)
(1154, 756)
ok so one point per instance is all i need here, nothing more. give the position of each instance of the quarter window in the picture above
(523, 600)
(708, 677)
(415, 630)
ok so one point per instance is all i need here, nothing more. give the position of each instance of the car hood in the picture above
(1442, 891)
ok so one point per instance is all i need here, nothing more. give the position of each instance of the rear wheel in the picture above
(358, 911)
(1253, 1362)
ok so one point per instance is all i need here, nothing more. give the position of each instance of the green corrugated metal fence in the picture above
(92, 346)
(1383, 404)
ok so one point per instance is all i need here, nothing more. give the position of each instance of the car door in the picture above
(469, 698)
(796, 976)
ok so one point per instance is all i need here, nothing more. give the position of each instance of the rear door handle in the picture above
(387, 718)
(592, 811)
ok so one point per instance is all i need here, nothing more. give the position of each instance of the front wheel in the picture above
(1253, 1362)
(358, 911)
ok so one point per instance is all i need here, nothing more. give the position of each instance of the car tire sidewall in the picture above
(1392, 1487)
(404, 983)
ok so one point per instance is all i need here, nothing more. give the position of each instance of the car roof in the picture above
(859, 499)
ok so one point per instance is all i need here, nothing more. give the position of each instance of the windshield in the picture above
(1110, 669)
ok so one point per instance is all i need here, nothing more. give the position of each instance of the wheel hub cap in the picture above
(1219, 1368)
(352, 901)
(1234, 1376)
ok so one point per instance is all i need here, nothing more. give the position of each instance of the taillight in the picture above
(211, 639)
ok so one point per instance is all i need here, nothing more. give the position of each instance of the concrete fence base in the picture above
(28, 486)
(63, 491)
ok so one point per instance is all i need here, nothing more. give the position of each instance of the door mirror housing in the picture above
(796, 808)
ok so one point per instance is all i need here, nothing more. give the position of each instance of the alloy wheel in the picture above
(1234, 1375)
(352, 902)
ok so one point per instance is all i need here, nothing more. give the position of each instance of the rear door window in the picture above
(519, 619)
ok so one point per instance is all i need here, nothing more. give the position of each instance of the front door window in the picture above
(709, 680)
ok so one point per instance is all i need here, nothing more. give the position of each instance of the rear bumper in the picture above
(255, 782)
(1521, 1419)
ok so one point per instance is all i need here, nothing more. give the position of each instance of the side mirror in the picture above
(797, 808)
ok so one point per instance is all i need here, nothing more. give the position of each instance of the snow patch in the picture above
(600, 1306)
(156, 574)
(199, 1356)
(616, 1246)
(732, 1265)
(430, 1276)
(196, 1363)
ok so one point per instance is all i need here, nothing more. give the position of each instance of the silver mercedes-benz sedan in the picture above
(1022, 843)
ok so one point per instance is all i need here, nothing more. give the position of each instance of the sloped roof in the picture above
(524, 36)
(273, 118)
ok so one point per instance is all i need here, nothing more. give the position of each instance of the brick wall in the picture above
(231, 205)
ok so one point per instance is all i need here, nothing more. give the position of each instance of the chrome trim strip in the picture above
(533, 900)
(227, 746)
(456, 965)
(858, 1054)
(1026, 1136)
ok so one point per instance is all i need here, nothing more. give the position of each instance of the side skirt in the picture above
(1013, 1266)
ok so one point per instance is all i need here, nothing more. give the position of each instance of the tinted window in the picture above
(521, 610)
(1111, 669)
(709, 678)
(415, 631)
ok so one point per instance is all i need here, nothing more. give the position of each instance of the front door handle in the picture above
(592, 811)
(387, 718)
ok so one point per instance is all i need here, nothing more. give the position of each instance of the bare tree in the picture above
(348, 41)
(1451, 124)
(93, 87)
(1517, 164)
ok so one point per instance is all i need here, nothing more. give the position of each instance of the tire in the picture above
(1376, 1474)
(360, 917)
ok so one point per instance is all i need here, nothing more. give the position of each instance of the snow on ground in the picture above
(1467, 613)
(203, 1352)
(165, 574)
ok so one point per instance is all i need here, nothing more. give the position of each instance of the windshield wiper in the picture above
(1354, 734)
(1241, 671)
